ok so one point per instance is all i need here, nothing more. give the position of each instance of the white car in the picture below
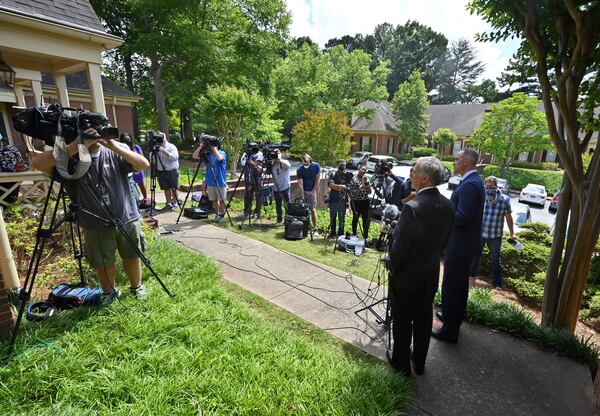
(403, 172)
(533, 194)
(375, 159)
(521, 214)
(454, 180)
(358, 158)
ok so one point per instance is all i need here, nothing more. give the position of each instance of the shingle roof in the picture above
(383, 118)
(77, 14)
(461, 118)
(78, 81)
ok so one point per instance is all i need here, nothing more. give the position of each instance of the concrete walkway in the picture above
(486, 373)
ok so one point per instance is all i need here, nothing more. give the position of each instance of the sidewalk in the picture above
(486, 373)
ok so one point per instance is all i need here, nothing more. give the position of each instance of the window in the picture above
(390, 148)
(551, 157)
(523, 156)
(365, 144)
(456, 148)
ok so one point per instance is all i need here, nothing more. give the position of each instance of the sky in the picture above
(322, 20)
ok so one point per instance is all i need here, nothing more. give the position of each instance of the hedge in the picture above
(519, 178)
(423, 151)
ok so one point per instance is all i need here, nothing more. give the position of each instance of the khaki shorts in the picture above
(310, 199)
(217, 193)
(101, 244)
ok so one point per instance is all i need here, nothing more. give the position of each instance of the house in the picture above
(378, 134)
(52, 51)
(55, 52)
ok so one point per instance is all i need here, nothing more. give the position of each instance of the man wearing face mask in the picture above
(309, 175)
(338, 200)
(496, 208)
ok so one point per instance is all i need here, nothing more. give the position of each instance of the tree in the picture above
(443, 137)
(485, 92)
(520, 75)
(240, 115)
(408, 47)
(512, 127)
(308, 79)
(410, 106)
(562, 37)
(324, 135)
(459, 72)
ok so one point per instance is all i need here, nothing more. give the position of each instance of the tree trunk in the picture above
(159, 92)
(131, 87)
(188, 134)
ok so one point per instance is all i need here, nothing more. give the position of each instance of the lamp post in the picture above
(7, 74)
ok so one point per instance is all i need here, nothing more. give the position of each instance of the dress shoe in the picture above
(439, 316)
(404, 371)
(441, 335)
(418, 368)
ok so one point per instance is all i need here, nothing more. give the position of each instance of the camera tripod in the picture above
(205, 158)
(70, 217)
(154, 160)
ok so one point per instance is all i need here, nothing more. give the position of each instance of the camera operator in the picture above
(216, 184)
(360, 189)
(281, 178)
(309, 175)
(168, 171)
(10, 161)
(252, 162)
(402, 192)
(137, 177)
(108, 173)
(338, 199)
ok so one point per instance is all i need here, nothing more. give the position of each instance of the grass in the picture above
(321, 249)
(214, 349)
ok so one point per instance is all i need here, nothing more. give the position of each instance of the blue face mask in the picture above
(492, 194)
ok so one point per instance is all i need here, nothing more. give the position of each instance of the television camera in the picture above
(271, 151)
(46, 122)
(207, 141)
(154, 140)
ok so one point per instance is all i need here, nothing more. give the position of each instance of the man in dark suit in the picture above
(419, 239)
(464, 245)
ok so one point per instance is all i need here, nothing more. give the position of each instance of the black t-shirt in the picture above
(336, 196)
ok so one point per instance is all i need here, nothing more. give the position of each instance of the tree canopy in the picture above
(324, 135)
(308, 79)
(513, 126)
(443, 137)
(410, 106)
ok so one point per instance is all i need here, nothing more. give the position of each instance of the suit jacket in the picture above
(420, 236)
(468, 199)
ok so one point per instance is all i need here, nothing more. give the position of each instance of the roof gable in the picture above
(79, 81)
(77, 14)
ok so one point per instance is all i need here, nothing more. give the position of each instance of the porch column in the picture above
(60, 80)
(19, 95)
(95, 82)
(36, 88)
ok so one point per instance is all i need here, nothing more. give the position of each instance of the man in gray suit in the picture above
(419, 238)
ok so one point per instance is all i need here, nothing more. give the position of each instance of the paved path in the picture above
(486, 373)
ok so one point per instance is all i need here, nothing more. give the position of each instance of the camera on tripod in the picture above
(272, 152)
(207, 141)
(46, 122)
(382, 168)
(155, 140)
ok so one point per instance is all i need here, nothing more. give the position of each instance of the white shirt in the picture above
(468, 173)
(170, 160)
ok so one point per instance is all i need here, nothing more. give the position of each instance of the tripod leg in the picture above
(77, 247)
(34, 262)
(188, 192)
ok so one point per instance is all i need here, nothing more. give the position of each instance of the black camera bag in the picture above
(296, 228)
(298, 208)
(195, 213)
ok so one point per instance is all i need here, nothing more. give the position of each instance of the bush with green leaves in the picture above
(404, 156)
(530, 288)
(524, 164)
(447, 158)
(519, 178)
(423, 151)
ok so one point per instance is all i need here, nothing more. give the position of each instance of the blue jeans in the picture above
(494, 245)
(337, 209)
(285, 195)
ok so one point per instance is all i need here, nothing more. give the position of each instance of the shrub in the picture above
(591, 307)
(447, 158)
(538, 227)
(519, 178)
(531, 288)
(551, 166)
(403, 156)
(521, 264)
(423, 151)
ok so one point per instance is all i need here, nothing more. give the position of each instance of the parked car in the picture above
(454, 180)
(403, 172)
(521, 215)
(407, 162)
(375, 159)
(503, 185)
(358, 158)
(553, 206)
(447, 174)
(533, 194)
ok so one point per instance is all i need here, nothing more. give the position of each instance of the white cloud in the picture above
(326, 19)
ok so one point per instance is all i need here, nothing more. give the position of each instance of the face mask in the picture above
(341, 169)
(491, 194)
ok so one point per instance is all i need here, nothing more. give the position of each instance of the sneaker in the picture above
(315, 233)
(109, 298)
(257, 216)
(331, 235)
(278, 222)
(167, 207)
(138, 292)
(243, 217)
(219, 218)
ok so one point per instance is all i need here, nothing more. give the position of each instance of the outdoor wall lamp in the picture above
(7, 74)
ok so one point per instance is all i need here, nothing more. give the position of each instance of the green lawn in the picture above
(321, 249)
(214, 349)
